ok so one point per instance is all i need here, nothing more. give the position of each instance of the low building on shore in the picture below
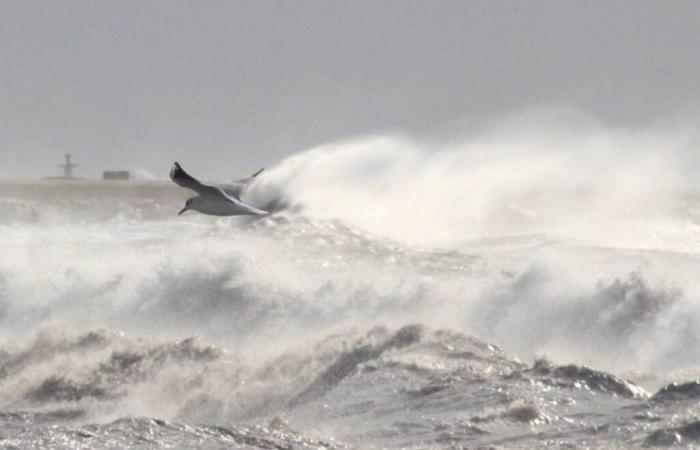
(116, 175)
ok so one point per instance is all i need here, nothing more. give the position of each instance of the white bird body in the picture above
(216, 200)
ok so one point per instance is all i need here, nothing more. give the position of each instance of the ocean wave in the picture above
(290, 276)
(328, 319)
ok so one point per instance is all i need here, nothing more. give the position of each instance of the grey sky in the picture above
(227, 86)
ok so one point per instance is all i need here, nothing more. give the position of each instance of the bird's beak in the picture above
(183, 210)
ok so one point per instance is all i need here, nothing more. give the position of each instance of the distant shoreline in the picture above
(62, 188)
(72, 180)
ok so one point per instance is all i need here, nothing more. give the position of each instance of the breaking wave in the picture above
(293, 327)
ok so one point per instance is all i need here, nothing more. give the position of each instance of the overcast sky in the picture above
(227, 86)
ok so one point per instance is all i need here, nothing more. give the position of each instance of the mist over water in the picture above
(402, 261)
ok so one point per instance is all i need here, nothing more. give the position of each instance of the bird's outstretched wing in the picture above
(184, 179)
(244, 206)
(236, 188)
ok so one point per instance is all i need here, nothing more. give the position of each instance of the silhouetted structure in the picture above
(68, 167)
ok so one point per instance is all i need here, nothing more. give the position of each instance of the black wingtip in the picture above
(176, 171)
(257, 173)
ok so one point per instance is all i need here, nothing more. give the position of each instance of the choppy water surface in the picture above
(126, 326)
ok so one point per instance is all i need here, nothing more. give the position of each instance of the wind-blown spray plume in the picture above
(349, 316)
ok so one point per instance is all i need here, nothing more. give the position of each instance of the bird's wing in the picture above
(242, 205)
(184, 179)
(236, 188)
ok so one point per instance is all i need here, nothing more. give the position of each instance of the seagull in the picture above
(218, 199)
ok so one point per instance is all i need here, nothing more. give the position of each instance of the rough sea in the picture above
(394, 299)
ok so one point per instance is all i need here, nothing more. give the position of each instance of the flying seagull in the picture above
(218, 199)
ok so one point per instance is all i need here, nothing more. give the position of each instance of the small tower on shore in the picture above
(68, 167)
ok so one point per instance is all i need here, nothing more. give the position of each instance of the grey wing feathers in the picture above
(246, 207)
(237, 187)
(256, 174)
(184, 179)
(240, 204)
